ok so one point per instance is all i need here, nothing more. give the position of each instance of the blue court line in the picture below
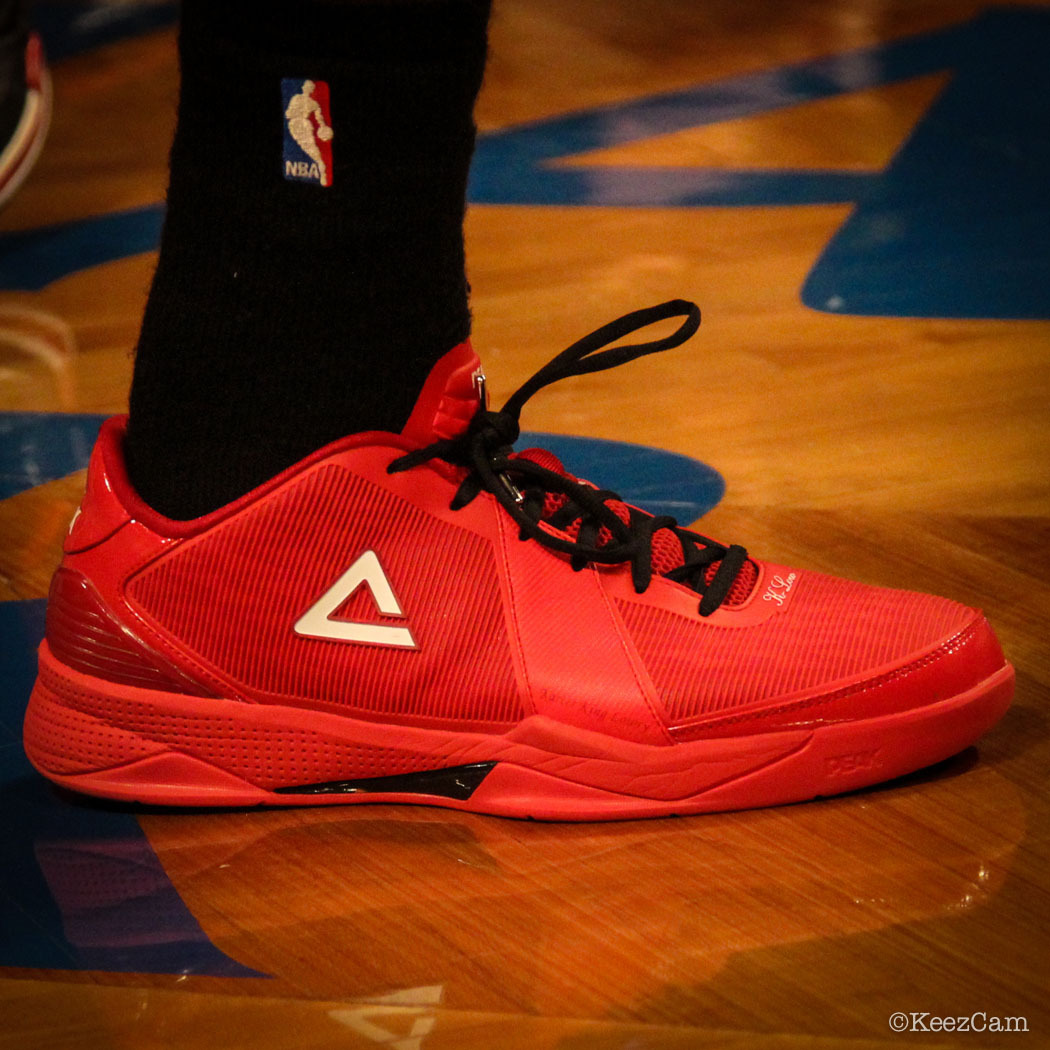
(80, 886)
(37, 447)
(957, 225)
(748, 95)
(32, 259)
(495, 181)
(69, 30)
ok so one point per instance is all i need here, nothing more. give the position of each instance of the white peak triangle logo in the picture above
(317, 621)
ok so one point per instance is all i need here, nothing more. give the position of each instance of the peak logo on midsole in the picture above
(318, 621)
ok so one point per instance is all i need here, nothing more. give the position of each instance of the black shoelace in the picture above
(521, 486)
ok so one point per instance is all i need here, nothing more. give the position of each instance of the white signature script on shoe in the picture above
(779, 588)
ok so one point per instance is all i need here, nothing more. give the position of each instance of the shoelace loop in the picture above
(520, 485)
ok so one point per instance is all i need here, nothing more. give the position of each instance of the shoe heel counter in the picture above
(101, 511)
(83, 633)
(83, 630)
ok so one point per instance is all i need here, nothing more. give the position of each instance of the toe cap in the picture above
(836, 651)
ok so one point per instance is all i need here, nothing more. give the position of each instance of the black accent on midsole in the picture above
(457, 782)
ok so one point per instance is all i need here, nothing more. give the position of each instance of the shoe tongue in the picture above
(542, 458)
(667, 553)
(449, 398)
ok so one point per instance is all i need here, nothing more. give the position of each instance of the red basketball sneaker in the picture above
(429, 617)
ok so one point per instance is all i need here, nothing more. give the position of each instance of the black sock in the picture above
(285, 313)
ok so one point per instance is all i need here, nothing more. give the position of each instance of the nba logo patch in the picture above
(307, 131)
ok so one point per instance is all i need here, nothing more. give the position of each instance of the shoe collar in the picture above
(448, 401)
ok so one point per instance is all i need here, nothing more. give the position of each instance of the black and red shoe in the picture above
(25, 107)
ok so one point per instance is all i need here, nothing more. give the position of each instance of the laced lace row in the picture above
(520, 485)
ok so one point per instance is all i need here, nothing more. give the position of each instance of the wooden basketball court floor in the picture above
(856, 194)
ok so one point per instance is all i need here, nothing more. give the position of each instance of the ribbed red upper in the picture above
(833, 629)
(232, 594)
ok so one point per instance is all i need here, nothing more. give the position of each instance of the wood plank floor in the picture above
(909, 451)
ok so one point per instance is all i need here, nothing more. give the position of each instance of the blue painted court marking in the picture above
(517, 165)
(72, 29)
(658, 481)
(958, 224)
(80, 885)
(37, 447)
(33, 259)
